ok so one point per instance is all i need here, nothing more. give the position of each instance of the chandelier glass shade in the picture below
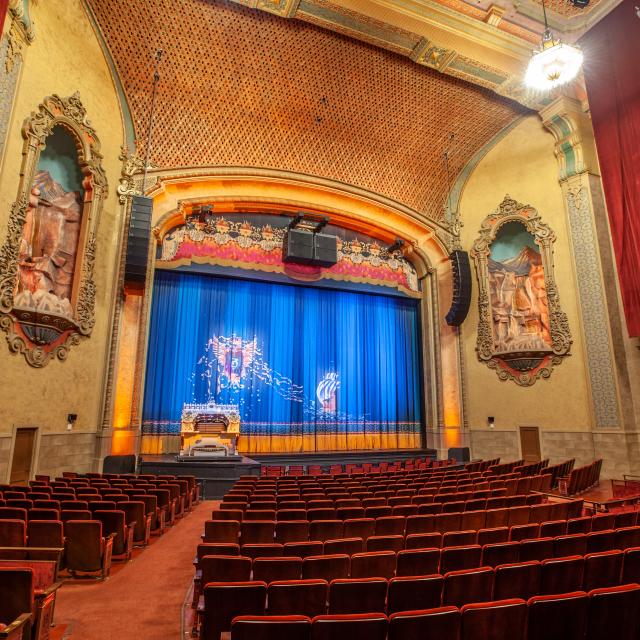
(553, 65)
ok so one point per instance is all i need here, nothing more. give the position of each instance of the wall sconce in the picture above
(491, 422)
(71, 419)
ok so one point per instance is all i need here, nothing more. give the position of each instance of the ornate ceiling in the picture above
(243, 87)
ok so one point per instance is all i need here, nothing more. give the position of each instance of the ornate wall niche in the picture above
(522, 331)
(47, 288)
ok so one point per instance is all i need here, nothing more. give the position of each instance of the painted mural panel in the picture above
(518, 292)
(51, 232)
(522, 331)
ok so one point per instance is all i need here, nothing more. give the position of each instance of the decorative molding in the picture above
(282, 8)
(509, 210)
(593, 305)
(132, 164)
(41, 336)
(431, 55)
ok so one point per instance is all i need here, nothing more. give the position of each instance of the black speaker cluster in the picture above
(302, 246)
(135, 269)
(461, 288)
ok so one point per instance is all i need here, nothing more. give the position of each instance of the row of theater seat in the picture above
(226, 528)
(345, 558)
(598, 615)
(297, 470)
(343, 510)
(317, 596)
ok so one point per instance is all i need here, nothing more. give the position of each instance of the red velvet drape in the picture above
(612, 73)
(3, 13)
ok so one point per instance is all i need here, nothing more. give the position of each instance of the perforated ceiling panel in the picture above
(243, 88)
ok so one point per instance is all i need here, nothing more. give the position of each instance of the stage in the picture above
(218, 476)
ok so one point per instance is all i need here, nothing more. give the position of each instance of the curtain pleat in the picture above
(302, 335)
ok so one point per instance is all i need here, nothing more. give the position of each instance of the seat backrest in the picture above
(13, 533)
(614, 612)
(602, 569)
(558, 616)
(357, 595)
(278, 568)
(517, 580)
(305, 597)
(561, 575)
(355, 626)
(45, 533)
(329, 567)
(224, 601)
(456, 558)
(373, 564)
(499, 620)
(224, 568)
(290, 627)
(16, 593)
(83, 545)
(466, 586)
(442, 623)
(417, 562)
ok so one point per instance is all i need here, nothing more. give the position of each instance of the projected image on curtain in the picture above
(308, 368)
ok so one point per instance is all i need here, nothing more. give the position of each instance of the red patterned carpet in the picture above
(143, 598)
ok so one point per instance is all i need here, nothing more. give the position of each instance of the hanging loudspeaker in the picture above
(461, 288)
(135, 269)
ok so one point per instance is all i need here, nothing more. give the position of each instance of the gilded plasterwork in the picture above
(522, 330)
(47, 287)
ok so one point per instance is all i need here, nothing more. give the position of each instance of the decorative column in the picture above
(595, 277)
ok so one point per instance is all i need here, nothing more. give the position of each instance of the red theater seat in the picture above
(467, 586)
(266, 550)
(502, 553)
(305, 597)
(614, 612)
(385, 543)
(357, 626)
(224, 601)
(347, 546)
(224, 568)
(456, 558)
(537, 549)
(45, 533)
(357, 595)
(627, 537)
(558, 617)
(493, 536)
(327, 530)
(327, 568)
(414, 592)
(519, 580)
(417, 562)
(271, 628)
(85, 548)
(303, 549)
(254, 532)
(271, 569)
(602, 569)
(500, 620)
(423, 541)
(561, 575)
(570, 545)
(292, 531)
(373, 565)
(390, 526)
(442, 623)
(359, 528)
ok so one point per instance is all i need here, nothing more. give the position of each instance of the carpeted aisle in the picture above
(143, 598)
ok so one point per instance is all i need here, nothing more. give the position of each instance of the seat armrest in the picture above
(200, 608)
(49, 590)
(10, 630)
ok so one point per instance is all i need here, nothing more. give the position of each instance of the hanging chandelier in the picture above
(554, 63)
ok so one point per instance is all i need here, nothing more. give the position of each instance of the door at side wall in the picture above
(530, 444)
(23, 455)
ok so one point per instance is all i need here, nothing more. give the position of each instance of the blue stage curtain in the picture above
(302, 334)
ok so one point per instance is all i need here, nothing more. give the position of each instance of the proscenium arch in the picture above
(244, 190)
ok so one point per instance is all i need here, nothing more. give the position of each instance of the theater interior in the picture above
(319, 319)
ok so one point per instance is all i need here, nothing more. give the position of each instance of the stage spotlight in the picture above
(296, 221)
(396, 246)
(321, 225)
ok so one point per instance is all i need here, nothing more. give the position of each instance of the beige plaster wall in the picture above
(523, 165)
(64, 57)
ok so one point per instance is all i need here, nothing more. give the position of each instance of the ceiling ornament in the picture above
(278, 100)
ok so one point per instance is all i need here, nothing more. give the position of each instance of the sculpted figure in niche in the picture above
(518, 294)
(49, 247)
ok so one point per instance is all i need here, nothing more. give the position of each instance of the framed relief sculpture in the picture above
(522, 330)
(47, 289)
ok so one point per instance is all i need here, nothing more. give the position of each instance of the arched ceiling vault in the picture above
(242, 87)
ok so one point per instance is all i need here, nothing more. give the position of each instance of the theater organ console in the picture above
(209, 429)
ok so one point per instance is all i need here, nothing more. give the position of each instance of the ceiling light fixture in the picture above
(554, 64)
